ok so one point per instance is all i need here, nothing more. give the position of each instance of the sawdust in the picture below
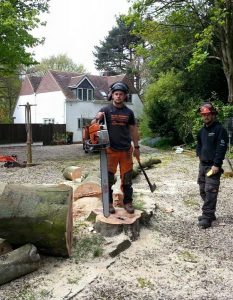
(172, 259)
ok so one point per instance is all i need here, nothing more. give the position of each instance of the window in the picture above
(48, 121)
(85, 94)
(83, 122)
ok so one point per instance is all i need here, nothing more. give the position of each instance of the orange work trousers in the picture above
(125, 161)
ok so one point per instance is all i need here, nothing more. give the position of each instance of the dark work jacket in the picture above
(212, 144)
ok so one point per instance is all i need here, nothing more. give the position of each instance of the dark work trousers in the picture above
(209, 187)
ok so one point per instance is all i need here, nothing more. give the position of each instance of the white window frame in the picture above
(88, 91)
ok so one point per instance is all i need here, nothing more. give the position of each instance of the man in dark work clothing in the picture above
(123, 132)
(211, 149)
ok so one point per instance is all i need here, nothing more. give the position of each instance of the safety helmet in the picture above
(118, 86)
(207, 108)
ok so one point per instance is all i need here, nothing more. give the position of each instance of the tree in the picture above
(116, 54)
(207, 24)
(60, 62)
(17, 19)
(9, 90)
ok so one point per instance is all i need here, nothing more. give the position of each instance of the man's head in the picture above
(208, 113)
(118, 90)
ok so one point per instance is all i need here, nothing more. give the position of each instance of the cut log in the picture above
(5, 247)
(117, 223)
(72, 173)
(38, 214)
(89, 187)
(146, 163)
(19, 262)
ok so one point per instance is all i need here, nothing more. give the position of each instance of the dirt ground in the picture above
(172, 258)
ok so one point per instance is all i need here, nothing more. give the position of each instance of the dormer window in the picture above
(85, 94)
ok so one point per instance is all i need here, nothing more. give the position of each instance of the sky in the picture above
(74, 27)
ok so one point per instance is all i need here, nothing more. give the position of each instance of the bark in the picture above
(72, 173)
(37, 214)
(19, 262)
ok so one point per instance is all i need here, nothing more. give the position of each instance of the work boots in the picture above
(111, 208)
(204, 223)
(129, 208)
(213, 218)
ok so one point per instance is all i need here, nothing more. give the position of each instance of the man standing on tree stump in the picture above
(211, 149)
(122, 130)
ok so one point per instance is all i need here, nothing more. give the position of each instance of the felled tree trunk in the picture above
(19, 262)
(37, 214)
(146, 163)
(72, 173)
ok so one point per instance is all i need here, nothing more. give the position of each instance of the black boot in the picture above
(213, 218)
(205, 223)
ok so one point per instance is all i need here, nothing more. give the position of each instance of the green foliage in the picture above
(9, 89)
(163, 103)
(182, 35)
(165, 143)
(224, 112)
(61, 62)
(59, 138)
(17, 19)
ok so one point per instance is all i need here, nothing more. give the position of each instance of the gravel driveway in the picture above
(172, 259)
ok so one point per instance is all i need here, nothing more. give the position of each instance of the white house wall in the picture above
(47, 105)
(51, 106)
(19, 112)
(78, 110)
(84, 109)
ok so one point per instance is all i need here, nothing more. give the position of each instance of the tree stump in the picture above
(117, 223)
(19, 262)
(37, 214)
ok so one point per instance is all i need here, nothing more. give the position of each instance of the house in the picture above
(69, 98)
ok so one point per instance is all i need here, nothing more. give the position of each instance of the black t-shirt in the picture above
(118, 121)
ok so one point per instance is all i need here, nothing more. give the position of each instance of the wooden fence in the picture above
(45, 133)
